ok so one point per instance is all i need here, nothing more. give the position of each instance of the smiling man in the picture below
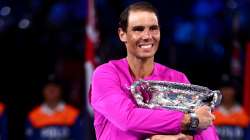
(116, 113)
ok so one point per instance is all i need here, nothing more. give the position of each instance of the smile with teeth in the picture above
(146, 46)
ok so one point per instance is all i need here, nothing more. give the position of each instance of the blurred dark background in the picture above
(205, 39)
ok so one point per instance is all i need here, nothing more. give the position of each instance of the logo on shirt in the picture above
(55, 132)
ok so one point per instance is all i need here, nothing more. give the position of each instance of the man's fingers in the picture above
(213, 117)
(206, 107)
(182, 137)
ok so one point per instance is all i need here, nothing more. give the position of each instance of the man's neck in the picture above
(228, 105)
(140, 68)
(50, 109)
(52, 105)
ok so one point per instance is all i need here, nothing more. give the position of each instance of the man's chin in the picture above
(146, 57)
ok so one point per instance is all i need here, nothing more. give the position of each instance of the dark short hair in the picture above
(233, 84)
(53, 82)
(140, 6)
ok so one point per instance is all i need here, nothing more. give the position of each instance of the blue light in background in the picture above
(78, 9)
(5, 11)
(183, 32)
(36, 5)
(202, 8)
(217, 50)
(201, 29)
(58, 14)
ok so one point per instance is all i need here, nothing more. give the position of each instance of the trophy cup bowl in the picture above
(172, 95)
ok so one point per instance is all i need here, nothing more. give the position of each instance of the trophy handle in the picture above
(216, 98)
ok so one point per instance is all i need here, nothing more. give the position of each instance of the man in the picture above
(3, 122)
(231, 119)
(116, 113)
(54, 119)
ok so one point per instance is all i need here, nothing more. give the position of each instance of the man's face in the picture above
(52, 93)
(143, 34)
(228, 94)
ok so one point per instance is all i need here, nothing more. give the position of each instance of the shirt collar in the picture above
(47, 110)
(153, 74)
(233, 109)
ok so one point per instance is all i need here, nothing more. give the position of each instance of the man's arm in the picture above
(171, 137)
(111, 101)
(205, 117)
(207, 134)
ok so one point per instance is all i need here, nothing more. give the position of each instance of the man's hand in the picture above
(205, 117)
(171, 137)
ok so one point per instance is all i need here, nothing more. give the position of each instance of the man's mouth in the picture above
(146, 46)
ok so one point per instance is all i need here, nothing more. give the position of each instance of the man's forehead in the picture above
(141, 12)
(142, 18)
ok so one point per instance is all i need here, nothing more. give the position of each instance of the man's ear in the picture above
(122, 35)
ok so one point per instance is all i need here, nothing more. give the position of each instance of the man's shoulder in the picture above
(35, 111)
(165, 69)
(71, 110)
(171, 74)
(112, 64)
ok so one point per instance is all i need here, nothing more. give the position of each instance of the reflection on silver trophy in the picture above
(171, 95)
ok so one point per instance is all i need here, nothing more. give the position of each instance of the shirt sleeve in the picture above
(108, 99)
(207, 134)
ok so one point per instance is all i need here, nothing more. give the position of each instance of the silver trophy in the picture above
(171, 95)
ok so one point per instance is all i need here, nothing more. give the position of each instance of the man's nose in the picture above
(146, 34)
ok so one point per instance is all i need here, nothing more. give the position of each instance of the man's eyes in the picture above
(141, 28)
(154, 28)
(138, 29)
